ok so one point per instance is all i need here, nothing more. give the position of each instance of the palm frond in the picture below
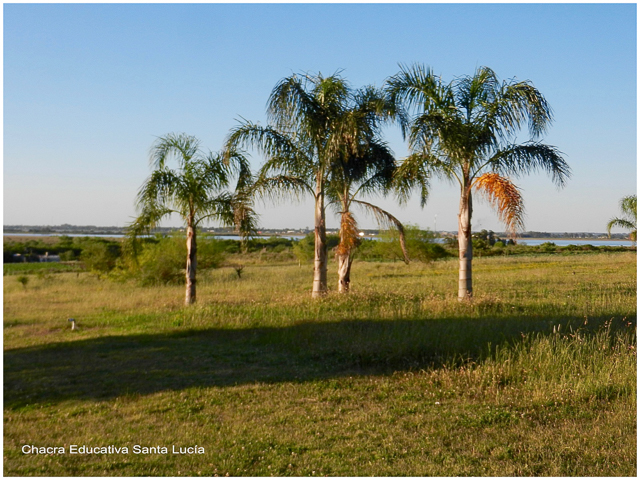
(245, 218)
(237, 162)
(523, 102)
(416, 87)
(159, 188)
(181, 146)
(505, 197)
(620, 223)
(413, 173)
(283, 152)
(525, 158)
(291, 107)
(629, 206)
(278, 187)
(348, 234)
(218, 208)
(148, 219)
(386, 220)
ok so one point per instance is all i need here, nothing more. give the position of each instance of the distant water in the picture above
(119, 235)
(565, 242)
(523, 241)
(13, 234)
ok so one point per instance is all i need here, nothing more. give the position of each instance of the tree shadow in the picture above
(107, 367)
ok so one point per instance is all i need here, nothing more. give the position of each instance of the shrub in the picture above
(547, 247)
(479, 244)
(420, 245)
(67, 256)
(273, 244)
(100, 256)
(303, 249)
(163, 261)
(23, 280)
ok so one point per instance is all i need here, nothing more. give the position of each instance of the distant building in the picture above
(48, 258)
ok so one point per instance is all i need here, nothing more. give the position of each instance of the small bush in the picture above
(420, 245)
(547, 247)
(67, 256)
(162, 263)
(100, 256)
(304, 248)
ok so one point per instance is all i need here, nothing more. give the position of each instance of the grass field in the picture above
(536, 377)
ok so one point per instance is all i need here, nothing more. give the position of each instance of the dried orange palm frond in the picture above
(348, 233)
(505, 197)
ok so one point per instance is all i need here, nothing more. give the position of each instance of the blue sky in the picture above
(88, 88)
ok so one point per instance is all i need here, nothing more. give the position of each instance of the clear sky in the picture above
(88, 88)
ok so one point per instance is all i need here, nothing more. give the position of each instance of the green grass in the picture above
(40, 267)
(536, 377)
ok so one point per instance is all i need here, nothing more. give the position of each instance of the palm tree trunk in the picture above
(348, 238)
(465, 253)
(190, 295)
(344, 272)
(320, 254)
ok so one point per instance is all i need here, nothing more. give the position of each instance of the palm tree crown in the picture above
(467, 127)
(629, 220)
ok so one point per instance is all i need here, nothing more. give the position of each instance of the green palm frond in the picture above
(282, 152)
(180, 146)
(149, 218)
(161, 186)
(525, 103)
(417, 88)
(620, 223)
(413, 173)
(219, 208)
(521, 159)
(279, 187)
(386, 220)
(237, 163)
(629, 206)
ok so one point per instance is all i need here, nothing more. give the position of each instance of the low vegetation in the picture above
(536, 376)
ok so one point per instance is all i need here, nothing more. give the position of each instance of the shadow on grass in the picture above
(107, 367)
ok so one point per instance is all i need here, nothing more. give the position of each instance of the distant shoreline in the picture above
(116, 233)
(52, 237)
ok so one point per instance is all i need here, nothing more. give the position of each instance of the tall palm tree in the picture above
(629, 220)
(467, 128)
(314, 126)
(197, 191)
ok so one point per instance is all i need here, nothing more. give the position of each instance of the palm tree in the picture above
(365, 167)
(315, 126)
(197, 191)
(629, 220)
(465, 129)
